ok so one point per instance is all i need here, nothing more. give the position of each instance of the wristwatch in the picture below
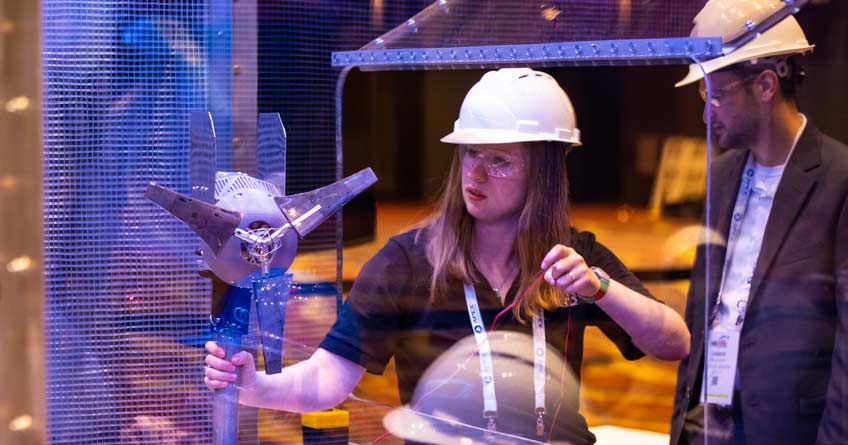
(604, 279)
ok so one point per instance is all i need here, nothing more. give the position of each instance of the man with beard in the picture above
(768, 305)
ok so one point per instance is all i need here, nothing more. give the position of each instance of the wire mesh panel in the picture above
(124, 304)
(125, 310)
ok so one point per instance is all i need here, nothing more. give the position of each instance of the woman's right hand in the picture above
(220, 372)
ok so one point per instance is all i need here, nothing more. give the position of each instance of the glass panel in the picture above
(657, 229)
(125, 311)
(635, 183)
(454, 23)
(470, 34)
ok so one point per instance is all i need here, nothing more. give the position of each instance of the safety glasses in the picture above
(497, 164)
(717, 94)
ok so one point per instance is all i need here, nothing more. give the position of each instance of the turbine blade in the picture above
(305, 211)
(213, 224)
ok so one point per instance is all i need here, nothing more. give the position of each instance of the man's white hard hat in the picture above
(730, 19)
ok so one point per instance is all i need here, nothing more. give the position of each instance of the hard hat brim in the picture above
(440, 428)
(695, 73)
(507, 136)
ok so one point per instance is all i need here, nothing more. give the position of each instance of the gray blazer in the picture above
(793, 352)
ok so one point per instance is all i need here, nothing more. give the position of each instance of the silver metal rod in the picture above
(225, 401)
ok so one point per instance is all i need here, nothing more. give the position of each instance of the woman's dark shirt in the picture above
(389, 313)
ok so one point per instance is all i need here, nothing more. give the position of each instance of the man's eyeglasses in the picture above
(718, 93)
(498, 165)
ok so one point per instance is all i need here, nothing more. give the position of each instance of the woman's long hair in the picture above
(543, 222)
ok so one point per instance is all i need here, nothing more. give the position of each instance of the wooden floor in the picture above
(613, 391)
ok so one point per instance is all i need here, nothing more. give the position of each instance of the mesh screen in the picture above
(125, 310)
(123, 299)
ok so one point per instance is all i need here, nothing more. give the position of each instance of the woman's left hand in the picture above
(567, 270)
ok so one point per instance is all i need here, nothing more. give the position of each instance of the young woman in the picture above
(503, 222)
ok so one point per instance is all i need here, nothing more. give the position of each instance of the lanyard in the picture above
(740, 208)
(722, 348)
(490, 403)
(540, 352)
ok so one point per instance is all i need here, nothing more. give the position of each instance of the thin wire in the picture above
(380, 438)
(519, 298)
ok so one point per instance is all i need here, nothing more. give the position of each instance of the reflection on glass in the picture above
(766, 304)
(447, 406)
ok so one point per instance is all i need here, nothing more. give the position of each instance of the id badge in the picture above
(722, 353)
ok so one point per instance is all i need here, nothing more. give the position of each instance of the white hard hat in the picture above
(731, 19)
(515, 105)
(447, 406)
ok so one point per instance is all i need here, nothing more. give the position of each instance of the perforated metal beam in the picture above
(600, 53)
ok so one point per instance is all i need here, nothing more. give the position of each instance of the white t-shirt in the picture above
(736, 284)
(746, 250)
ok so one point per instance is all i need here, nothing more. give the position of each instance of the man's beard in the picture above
(743, 136)
(721, 147)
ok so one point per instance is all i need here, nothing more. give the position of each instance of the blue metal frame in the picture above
(601, 52)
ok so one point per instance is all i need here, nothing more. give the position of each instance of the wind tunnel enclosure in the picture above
(105, 304)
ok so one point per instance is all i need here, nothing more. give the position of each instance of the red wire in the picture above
(519, 298)
(380, 438)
